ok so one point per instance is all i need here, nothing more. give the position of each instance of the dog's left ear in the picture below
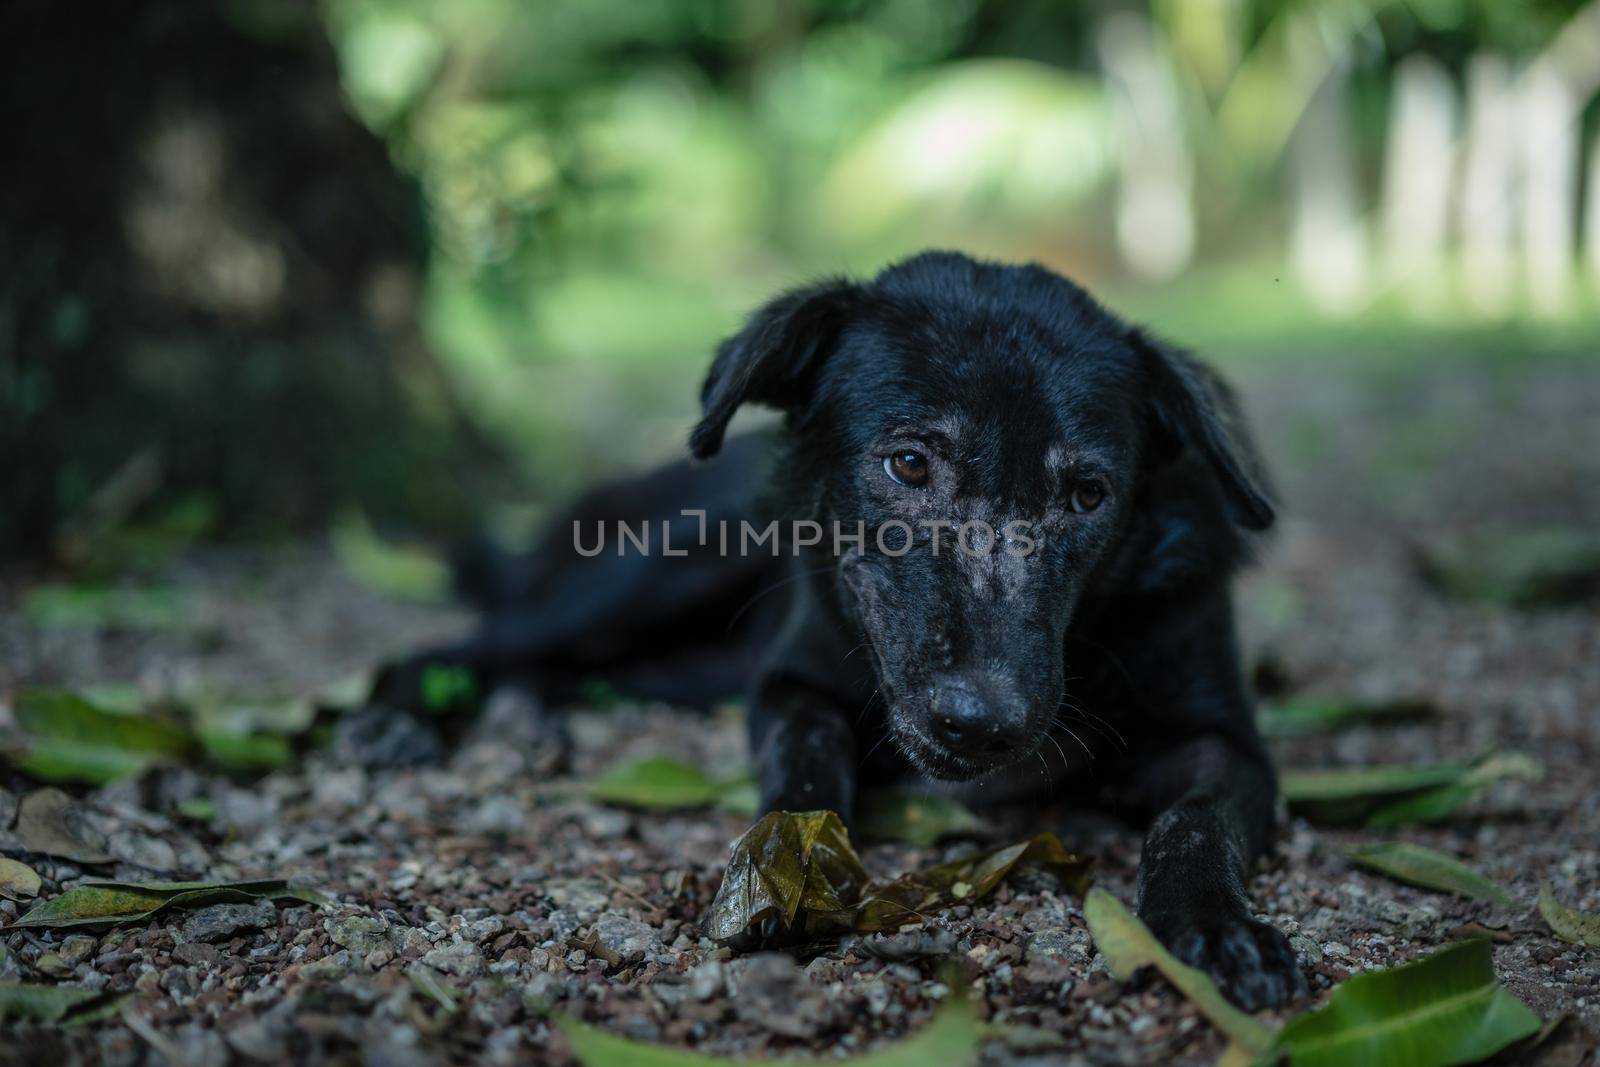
(773, 360)
(1194, 408)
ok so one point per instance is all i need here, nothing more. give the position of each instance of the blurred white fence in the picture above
(1486, 198)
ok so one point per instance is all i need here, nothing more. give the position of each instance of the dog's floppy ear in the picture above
(773, 359)
(1194, 408)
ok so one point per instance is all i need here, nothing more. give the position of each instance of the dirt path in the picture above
(518, 895)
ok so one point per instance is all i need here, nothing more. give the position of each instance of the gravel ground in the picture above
(491, 876)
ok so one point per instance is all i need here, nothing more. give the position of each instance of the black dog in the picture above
(1039, 509)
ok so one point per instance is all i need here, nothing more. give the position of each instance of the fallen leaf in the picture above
(114, 903)
(1441, 802)
(1311, 714)
(18, 881)
(741, 797)
(916, 895)
(426, 981)
(1129, 946)
(68, 739)
(657, 784)
(406, 572)
(797, 867)
(447, 687)
(1569, 924)
(245, 751)
(92, 607)
(1398, 794)
(1498, 935)
(950, 1039)
(1424, 867)
(1447, 1008)
(53, 1003)
(800, 870)
(50, 822)
(200, 809)
(915, 817)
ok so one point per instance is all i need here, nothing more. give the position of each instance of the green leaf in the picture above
(114, 903)
(657, 784)
(1569, 924)
(1310, 715)
(912, 816)
(426, 981)
(90, 607)
(52, 1003)
(245, 752)
(1419, 866)
(18, 881)
(800, 868)
(1446, 1008)
(1129, 946)
(403, 572)
(68, 739)
(200, 809)
(740, 796)
(950, 1040)
(447, 687)
(1398, 794)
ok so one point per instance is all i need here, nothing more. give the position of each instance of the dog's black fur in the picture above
(1112, 637)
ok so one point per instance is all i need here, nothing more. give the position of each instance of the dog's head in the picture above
(1037, 453)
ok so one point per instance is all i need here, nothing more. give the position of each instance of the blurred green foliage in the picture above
(610, 183)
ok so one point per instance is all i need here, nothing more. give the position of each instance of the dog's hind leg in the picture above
(679, 619)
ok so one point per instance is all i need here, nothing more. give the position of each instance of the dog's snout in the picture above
(970, 718)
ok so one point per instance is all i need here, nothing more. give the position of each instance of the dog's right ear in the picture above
(773, 360)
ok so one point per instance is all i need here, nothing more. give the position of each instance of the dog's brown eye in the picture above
(1087, 497)
(907, 468)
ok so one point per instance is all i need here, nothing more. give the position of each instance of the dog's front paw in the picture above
(1251, 962)
(770, 934)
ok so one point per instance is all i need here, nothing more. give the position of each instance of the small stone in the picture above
(497, 814)
(1061, 942)
(142, 850)
(627, 938)
(585, 896)
(77, 948)
(221, 921)
(773, 993)
(378, 736)
(480, 930)
(358, 933)
(196, 1046)
(196, 954)
(706, 980)
(563, 924)
(52, 965)
(378, 958)
(265, 1038)
(463, 959)
(1307, 951)
(504, 1047)
(409, 941)
(328, 969)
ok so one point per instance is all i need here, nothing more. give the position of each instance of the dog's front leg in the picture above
(1214, 802)
(805, 750)
(805, 757)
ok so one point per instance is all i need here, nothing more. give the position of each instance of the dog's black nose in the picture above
(969, 720)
